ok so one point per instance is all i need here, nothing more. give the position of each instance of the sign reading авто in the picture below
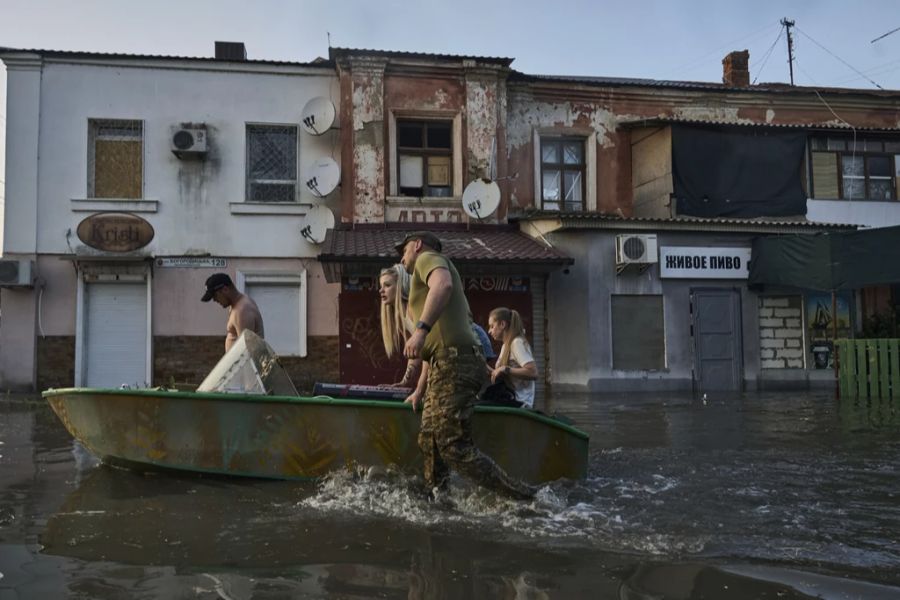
(704, 263)
(115, 232)
(192, 262)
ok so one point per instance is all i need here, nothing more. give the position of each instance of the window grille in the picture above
(271, 163)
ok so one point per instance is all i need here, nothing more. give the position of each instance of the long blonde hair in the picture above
(514, 329)
(393, 314)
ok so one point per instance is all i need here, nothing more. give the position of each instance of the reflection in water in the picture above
(764, 496)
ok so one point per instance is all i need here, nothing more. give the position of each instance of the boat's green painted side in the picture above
(297, 437)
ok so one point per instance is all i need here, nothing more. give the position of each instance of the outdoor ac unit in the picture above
(636, 249)
(189, 141)
(15, 273)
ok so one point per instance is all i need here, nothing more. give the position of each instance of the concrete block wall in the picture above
(781, 332)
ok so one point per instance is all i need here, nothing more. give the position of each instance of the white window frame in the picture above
(297, 278)
(590, 162)
(455, 118)
(247, 180)
(92, 124)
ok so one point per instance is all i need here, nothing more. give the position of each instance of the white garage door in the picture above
(116, 334)
(279, 305)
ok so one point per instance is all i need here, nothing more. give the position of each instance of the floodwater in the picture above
(781, 496)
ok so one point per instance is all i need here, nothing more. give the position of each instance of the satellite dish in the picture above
(321, 177)
(317, 221)
(481, 198)
(318, 115)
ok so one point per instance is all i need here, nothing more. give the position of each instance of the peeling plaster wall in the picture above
(368, 143)
(481, 125)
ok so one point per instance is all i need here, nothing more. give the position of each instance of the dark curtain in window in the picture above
(737, 172)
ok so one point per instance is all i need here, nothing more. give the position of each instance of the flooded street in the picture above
(754, 496)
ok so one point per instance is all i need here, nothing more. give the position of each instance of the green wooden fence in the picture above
(869, 368)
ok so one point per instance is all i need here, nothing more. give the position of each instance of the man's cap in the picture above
(214, 283)
(427, 238)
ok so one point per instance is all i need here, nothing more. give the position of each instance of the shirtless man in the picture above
(243, 312)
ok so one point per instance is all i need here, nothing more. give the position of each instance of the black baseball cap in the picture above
(214, 283)
(427, 238)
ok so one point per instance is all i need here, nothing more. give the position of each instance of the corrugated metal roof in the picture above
(594, 220)
(503, 244)
(319, 62)
(830, 126)
(697, 85)
(334, 53)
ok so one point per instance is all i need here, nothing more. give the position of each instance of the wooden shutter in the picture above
(825, 175)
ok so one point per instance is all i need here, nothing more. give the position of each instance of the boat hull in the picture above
(296, 437)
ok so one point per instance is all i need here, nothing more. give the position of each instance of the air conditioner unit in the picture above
(15, 272)
(189, 141)
(636, 249)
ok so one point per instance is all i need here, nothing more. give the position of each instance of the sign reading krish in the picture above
(677, 262)
(115, 232)
(192, 262)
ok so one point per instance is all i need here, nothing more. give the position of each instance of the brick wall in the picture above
(321, 363)
(189, 359)
(55, 361)
(781, 332)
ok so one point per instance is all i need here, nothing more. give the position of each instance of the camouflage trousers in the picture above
(454, 379)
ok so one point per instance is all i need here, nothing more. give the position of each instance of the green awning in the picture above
(827, 261)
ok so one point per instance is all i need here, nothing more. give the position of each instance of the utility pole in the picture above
(790, 41)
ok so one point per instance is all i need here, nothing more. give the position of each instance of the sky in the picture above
(657, 39)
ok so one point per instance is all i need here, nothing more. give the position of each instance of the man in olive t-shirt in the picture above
(443, 337)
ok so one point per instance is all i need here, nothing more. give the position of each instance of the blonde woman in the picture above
(393, 288)
(515, 364)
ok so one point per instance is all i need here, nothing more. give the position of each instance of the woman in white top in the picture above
(516, 362)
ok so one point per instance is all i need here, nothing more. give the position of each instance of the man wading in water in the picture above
(443, 337)
(242, 310)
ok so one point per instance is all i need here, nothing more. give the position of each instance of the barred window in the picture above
(271, 163)
(115, 158)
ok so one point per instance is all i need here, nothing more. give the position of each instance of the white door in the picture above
(115, 334)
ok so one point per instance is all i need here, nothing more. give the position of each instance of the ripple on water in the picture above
(562, 513)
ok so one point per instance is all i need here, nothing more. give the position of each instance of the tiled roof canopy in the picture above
(501, 250)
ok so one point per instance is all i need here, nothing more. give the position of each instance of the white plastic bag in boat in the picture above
(249, 367)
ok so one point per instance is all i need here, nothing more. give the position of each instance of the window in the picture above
(860, 169)
(271, 163)
(425, 158)
(638, 333)
(115, 158)
(562, 173)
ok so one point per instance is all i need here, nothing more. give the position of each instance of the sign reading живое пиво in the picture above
(678, 262)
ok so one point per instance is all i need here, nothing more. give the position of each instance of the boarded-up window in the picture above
(825, 175)
(638, 333)
(115, 159)
(271, 163)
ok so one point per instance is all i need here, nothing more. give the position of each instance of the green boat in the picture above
(231, 431)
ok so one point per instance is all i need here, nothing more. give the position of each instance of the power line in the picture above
(854, 69)
(690, 65)
(885, 35)
(767, 55)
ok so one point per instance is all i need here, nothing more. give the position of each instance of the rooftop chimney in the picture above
(232, 51)
(736, 69)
